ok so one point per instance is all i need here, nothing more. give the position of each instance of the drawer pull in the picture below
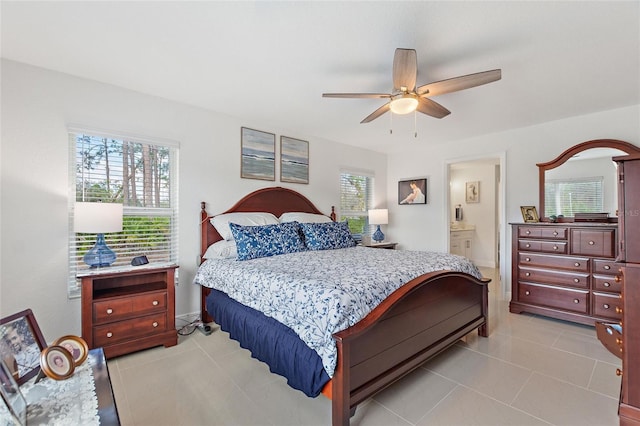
(576, 280)
(606, 267)
(606, 284)
(109, 311)
(555, 233)
(155, 324)
(619, 341)
(576, 301)
(527, 259)
(576, 264)
(155, 303)
(618, 310)
(528, 232)
(617, 278)
(527, 293)
(555, 247)
(527, 274)
(591, 243)
(618, 372)
(528, 245)
(606, 306)
(109, 334)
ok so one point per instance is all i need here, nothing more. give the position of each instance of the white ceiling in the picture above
(269, 62)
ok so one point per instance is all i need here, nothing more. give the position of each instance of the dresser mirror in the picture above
(582, 179)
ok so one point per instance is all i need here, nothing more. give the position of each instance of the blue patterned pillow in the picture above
(327, 236)
(268, 240)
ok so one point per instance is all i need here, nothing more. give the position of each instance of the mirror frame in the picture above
(627, 147)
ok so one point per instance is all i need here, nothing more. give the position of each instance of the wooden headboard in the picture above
(275, 200)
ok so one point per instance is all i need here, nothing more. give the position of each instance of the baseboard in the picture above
(187, 318)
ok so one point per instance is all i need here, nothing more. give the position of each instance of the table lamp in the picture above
(98, 218)
(378, 217)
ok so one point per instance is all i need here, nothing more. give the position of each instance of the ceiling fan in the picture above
(406, 98)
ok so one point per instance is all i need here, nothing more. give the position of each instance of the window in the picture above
(356, 198)
(570, 196)
(142, 175)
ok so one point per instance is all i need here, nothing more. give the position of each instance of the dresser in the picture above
(627, 343)
(126, 309)
(566, 271)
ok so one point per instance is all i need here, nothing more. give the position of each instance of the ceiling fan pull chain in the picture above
(390, 123)
(415, 124)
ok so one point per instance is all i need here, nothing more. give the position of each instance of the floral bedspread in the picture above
(318, 293)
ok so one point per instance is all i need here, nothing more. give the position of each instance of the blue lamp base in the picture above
(378, 236)
(100, 255)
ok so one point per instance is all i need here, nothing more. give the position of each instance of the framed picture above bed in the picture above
(412, 191)
(294, 160)
(258, 154)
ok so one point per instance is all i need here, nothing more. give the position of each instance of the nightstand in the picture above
(382, 245)
(126, 309)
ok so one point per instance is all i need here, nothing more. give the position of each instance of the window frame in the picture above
(369, 201)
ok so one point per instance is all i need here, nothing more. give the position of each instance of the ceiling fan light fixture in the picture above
(404, 104)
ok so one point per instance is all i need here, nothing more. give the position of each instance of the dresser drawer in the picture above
(557, 233)
(579, 264)
(109, 334)
(554, 297)
(124, 307)
(606, 283)
(610, 335)
(543, 246)
(588, 242)
(604, 305)
(547, 276)
(602, 266)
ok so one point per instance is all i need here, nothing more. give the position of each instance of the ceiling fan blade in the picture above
(405, 69)
(432, 108)
(459, 83)
(356, 95)
(377, 113)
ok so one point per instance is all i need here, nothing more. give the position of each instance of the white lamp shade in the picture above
(97, 218)
(378, 216)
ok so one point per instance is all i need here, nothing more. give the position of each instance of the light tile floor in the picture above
(530, 371)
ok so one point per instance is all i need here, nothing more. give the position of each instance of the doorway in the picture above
(475, 211)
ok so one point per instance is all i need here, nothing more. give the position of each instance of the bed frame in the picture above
(415, 323)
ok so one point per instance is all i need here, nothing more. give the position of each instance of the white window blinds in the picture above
(356, 198)
(570, 196)
(141, 175)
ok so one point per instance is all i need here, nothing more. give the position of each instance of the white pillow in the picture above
(304, 217)
(221, 222)
(222, 250)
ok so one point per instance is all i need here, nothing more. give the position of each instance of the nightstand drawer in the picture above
(109, 334)
(125, 307)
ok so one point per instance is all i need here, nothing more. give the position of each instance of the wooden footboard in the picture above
(415, 323)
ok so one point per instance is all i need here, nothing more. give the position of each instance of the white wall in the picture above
(523, 148)
(37, 105)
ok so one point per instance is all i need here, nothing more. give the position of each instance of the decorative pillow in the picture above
(268, 240)
(221, 250)
(222, 221)
(327, 236)
(303, 217)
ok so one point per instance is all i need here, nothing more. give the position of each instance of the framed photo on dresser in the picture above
(529, 214)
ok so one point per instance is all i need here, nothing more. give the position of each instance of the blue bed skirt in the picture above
(271, 342)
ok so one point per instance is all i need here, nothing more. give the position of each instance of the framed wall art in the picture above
(529, 214)
(472, 192)
(294, 160)
(258, 154)
(20, 345)
(412, 191)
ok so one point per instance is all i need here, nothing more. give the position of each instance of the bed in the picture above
(415, 322)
